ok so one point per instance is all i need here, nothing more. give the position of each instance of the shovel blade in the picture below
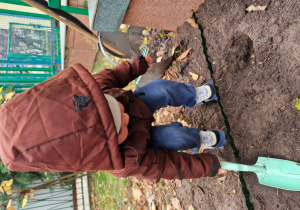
(283, 174)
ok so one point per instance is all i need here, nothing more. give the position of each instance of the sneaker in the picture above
(205, 93)
(212, 139)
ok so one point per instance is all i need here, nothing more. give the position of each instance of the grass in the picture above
(102, 63)
(109, 192)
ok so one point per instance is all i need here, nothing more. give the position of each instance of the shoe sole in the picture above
(223, 139)
(211, 99)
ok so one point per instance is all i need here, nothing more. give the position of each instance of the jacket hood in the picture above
(62, 124)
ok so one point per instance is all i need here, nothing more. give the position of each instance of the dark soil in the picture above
(256, 65)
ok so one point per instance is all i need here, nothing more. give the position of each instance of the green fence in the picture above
(29, 50)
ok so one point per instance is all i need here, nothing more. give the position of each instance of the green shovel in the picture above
(283, 174)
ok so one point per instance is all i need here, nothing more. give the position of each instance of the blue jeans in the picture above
(174, 136)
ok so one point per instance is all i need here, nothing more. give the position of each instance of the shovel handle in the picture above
(241, 167)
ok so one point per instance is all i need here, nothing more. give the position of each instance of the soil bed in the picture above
(256, 65)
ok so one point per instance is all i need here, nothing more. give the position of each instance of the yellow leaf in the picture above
(9, 206)
(1, 190)
(192, 22)
(7, 189)
(9, 182)
(171, 35)
(9, 95)
(1, 97)
(183, 55)
(145, 40)
(256, 8)
(194, 76)
(31, 195)
(24, 200)
(1, 89)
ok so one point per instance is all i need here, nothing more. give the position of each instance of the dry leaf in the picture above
(191, 207)
(165, 121)
(176, 204)
(178, 183)
(171, 35)
(194, 76)
(169, 207)
(234, 192)
(183, 55)
(159, 59)
(192, 23)
(153, 207)
(173, 50)
(256, 8)
(253, 58)
(136, 194)
(31, 195)
(160, 53)
(166, 112)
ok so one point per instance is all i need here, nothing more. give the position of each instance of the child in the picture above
(76, 121)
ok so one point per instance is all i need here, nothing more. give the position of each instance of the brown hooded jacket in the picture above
(65, 124)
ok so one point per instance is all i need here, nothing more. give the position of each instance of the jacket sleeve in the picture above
(168, 164)
(121, 75)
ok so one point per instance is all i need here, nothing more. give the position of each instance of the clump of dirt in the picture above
(255, 57)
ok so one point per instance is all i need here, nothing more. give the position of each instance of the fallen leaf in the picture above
(191, 207)
(253, 57)
(221, 179)
(159, 59)
(169, 207)
(145, 40)
(183, 55)
(153, 207)
(160, 53)
(171, 35)
(165, 121)
(192, 22)
(176, 204)
(136, 194)
(166, 112)
(178, 183)
(194, 76)
(234, 192)
(256, 8)
(239, 183)
(173, 50)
